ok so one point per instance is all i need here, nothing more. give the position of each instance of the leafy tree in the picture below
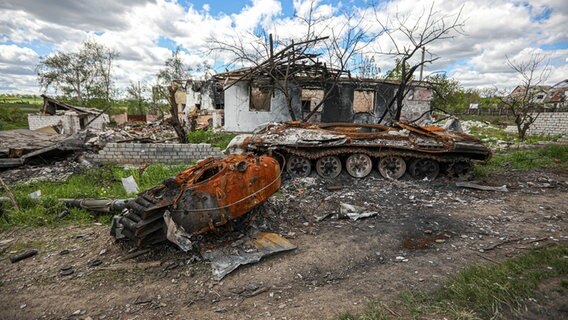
(84, 75)
(450, 96)
(396, 72)
(137, 102)
(171, 79)
(174, 69)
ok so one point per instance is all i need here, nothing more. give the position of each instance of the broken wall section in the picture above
(241, 115)
(139, 153)
(69, 121)
(550, 123)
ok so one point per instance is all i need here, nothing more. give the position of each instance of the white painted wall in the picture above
(69, 121)
(238, 117)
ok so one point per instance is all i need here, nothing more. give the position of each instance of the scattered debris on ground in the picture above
(424, 231)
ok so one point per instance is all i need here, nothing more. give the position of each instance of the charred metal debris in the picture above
(198, 200)
(421, 151)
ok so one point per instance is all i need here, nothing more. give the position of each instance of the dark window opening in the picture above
(260, 99)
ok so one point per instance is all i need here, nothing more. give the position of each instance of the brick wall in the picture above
(138, 153)
(550, 123)
(70, 122)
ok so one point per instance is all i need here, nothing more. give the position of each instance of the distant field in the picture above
(14, 110)
(21, 100)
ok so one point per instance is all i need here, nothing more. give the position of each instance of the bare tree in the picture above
(326, 49)
(430, 27)
(524, 100)
(345, 42)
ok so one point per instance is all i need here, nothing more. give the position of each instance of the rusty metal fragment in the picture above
(329, 147)
(98, 205)
(198, 200)
(226, 259)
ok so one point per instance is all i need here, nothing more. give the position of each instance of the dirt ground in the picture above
(422, 233)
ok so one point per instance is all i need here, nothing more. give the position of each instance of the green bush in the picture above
(216, 139)
(96, 183)
(12, 117)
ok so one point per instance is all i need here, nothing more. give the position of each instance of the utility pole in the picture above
(422, 63)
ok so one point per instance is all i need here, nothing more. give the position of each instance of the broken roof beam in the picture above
(272, 63)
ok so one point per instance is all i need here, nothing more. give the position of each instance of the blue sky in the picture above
(145, 31)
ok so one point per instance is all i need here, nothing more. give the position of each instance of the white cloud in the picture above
(494, 29)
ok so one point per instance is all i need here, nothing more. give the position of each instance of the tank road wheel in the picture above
(392, 167)
(328, 167)
(424, 168)
(359, 165)
(298, 166)
(461, 170)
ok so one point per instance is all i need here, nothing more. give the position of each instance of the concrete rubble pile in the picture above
(21, 146)
(154, 132)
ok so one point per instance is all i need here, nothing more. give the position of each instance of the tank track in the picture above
(141, 223)
(313, 155)
(449, 161)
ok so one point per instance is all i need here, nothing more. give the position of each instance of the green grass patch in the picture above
(29, 99)
(487, 291)
(496, 120)
(479, 292)
(216, 139)
(371, 312)
(15, 115)
(492, 133)
(550, 156)
(96, 183)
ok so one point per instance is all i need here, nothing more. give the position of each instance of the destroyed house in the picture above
(204, 101)
(293, 85)
(65, 118)
(250, 102)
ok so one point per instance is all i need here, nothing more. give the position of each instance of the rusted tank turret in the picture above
(198, 200)
(423, 152)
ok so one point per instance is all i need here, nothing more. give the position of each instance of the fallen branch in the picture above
(470, 185)
(129, 266)
(24, 255)
(389, 310)
(501, 243)
(538, 240)
(486, 258)
(134, 254)
(10, 194)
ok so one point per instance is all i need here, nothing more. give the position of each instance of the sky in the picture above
(144, 33)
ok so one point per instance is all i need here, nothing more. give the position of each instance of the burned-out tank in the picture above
(197, 200)
(421, 151)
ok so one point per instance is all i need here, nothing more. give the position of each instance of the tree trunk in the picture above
(180, 131)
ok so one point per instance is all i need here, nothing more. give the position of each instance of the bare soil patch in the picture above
(422, 233)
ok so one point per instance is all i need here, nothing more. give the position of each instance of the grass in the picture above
(99, 183)
(29, 99)
(549, 156)
(495, 120)
(216, 139)
(14, 115)
(481, 292)
(373, 311)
